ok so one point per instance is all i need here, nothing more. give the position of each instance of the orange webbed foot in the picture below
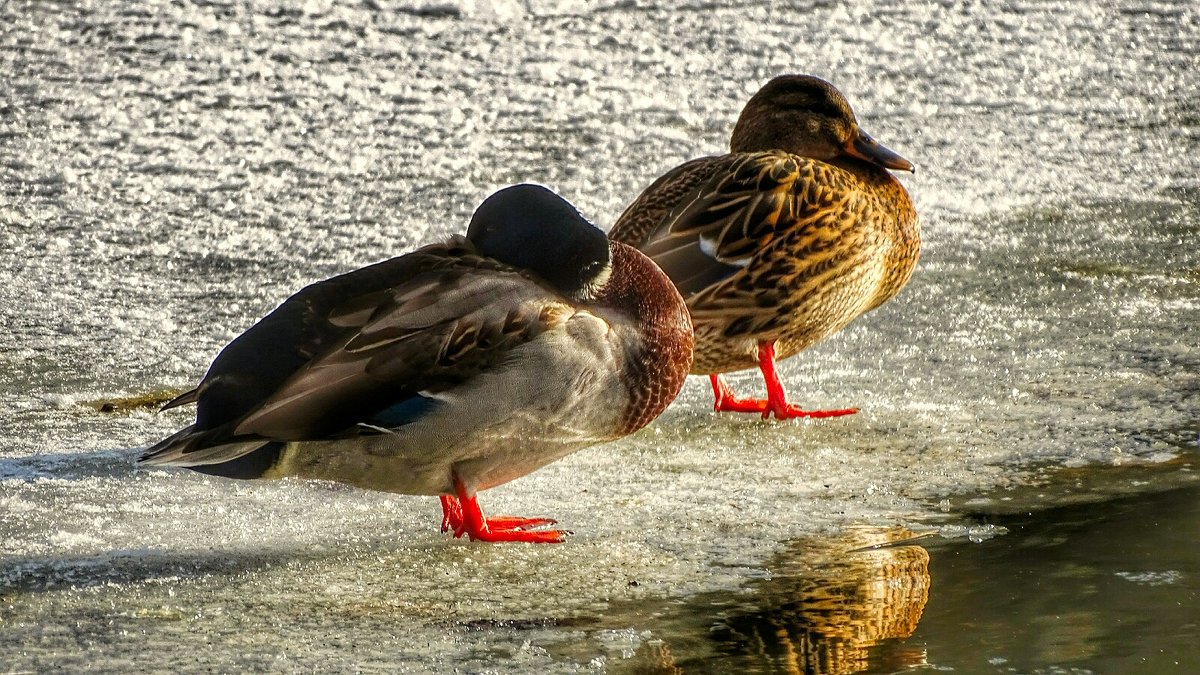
(462, 515)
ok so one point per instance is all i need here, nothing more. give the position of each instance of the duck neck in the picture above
(660, 356)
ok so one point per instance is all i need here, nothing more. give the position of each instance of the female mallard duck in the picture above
(451, 369)
(783, 241)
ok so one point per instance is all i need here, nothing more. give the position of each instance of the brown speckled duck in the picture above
(783, 241)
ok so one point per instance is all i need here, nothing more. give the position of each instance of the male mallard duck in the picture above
(783, 241)
(451, 369)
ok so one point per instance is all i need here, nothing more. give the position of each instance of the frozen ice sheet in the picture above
(170, 172)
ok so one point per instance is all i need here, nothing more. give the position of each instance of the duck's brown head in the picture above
(807, 116)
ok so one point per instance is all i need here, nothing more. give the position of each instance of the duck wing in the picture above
(742, 230)
(647, 214)
(362, 353)
(405, 345)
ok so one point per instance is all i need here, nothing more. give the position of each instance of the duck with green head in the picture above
(783, 241)
(449, 370)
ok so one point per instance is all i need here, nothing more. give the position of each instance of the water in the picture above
(1107, 587)
(170, 172)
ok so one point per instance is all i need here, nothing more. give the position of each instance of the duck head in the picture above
(530, 227)
(807, 116)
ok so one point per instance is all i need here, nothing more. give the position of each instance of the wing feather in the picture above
(375, 345)
(734, 232)
(409, 347)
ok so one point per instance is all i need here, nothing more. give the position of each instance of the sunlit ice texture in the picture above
(171, 172)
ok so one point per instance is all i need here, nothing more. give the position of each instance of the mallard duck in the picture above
(452, 369)
(781, 242)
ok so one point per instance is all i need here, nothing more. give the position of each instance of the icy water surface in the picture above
(1011, 497)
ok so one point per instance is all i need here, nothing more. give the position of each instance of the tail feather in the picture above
(182, 399)
(188, 447)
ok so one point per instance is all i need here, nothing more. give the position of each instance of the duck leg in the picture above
(462, 514)
(452, 517)
(776, 402)
(727, 401)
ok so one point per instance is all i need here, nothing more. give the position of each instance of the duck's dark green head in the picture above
(530, 227)
(807, 116)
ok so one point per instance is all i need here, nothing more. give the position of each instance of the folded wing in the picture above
(362, 353)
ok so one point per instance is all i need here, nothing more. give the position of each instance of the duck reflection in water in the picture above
(832, 607)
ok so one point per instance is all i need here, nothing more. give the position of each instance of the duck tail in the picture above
(182, 399)
(191, 448)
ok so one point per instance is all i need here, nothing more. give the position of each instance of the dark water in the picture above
(1107, 587)
(1109, 584)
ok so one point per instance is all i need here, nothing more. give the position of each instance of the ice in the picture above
(1163, 578)
(975, 533)
(170, 174)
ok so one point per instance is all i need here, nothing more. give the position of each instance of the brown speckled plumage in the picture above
(786, 239)
(654, 373)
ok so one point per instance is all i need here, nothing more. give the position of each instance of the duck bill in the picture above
(866, 148)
